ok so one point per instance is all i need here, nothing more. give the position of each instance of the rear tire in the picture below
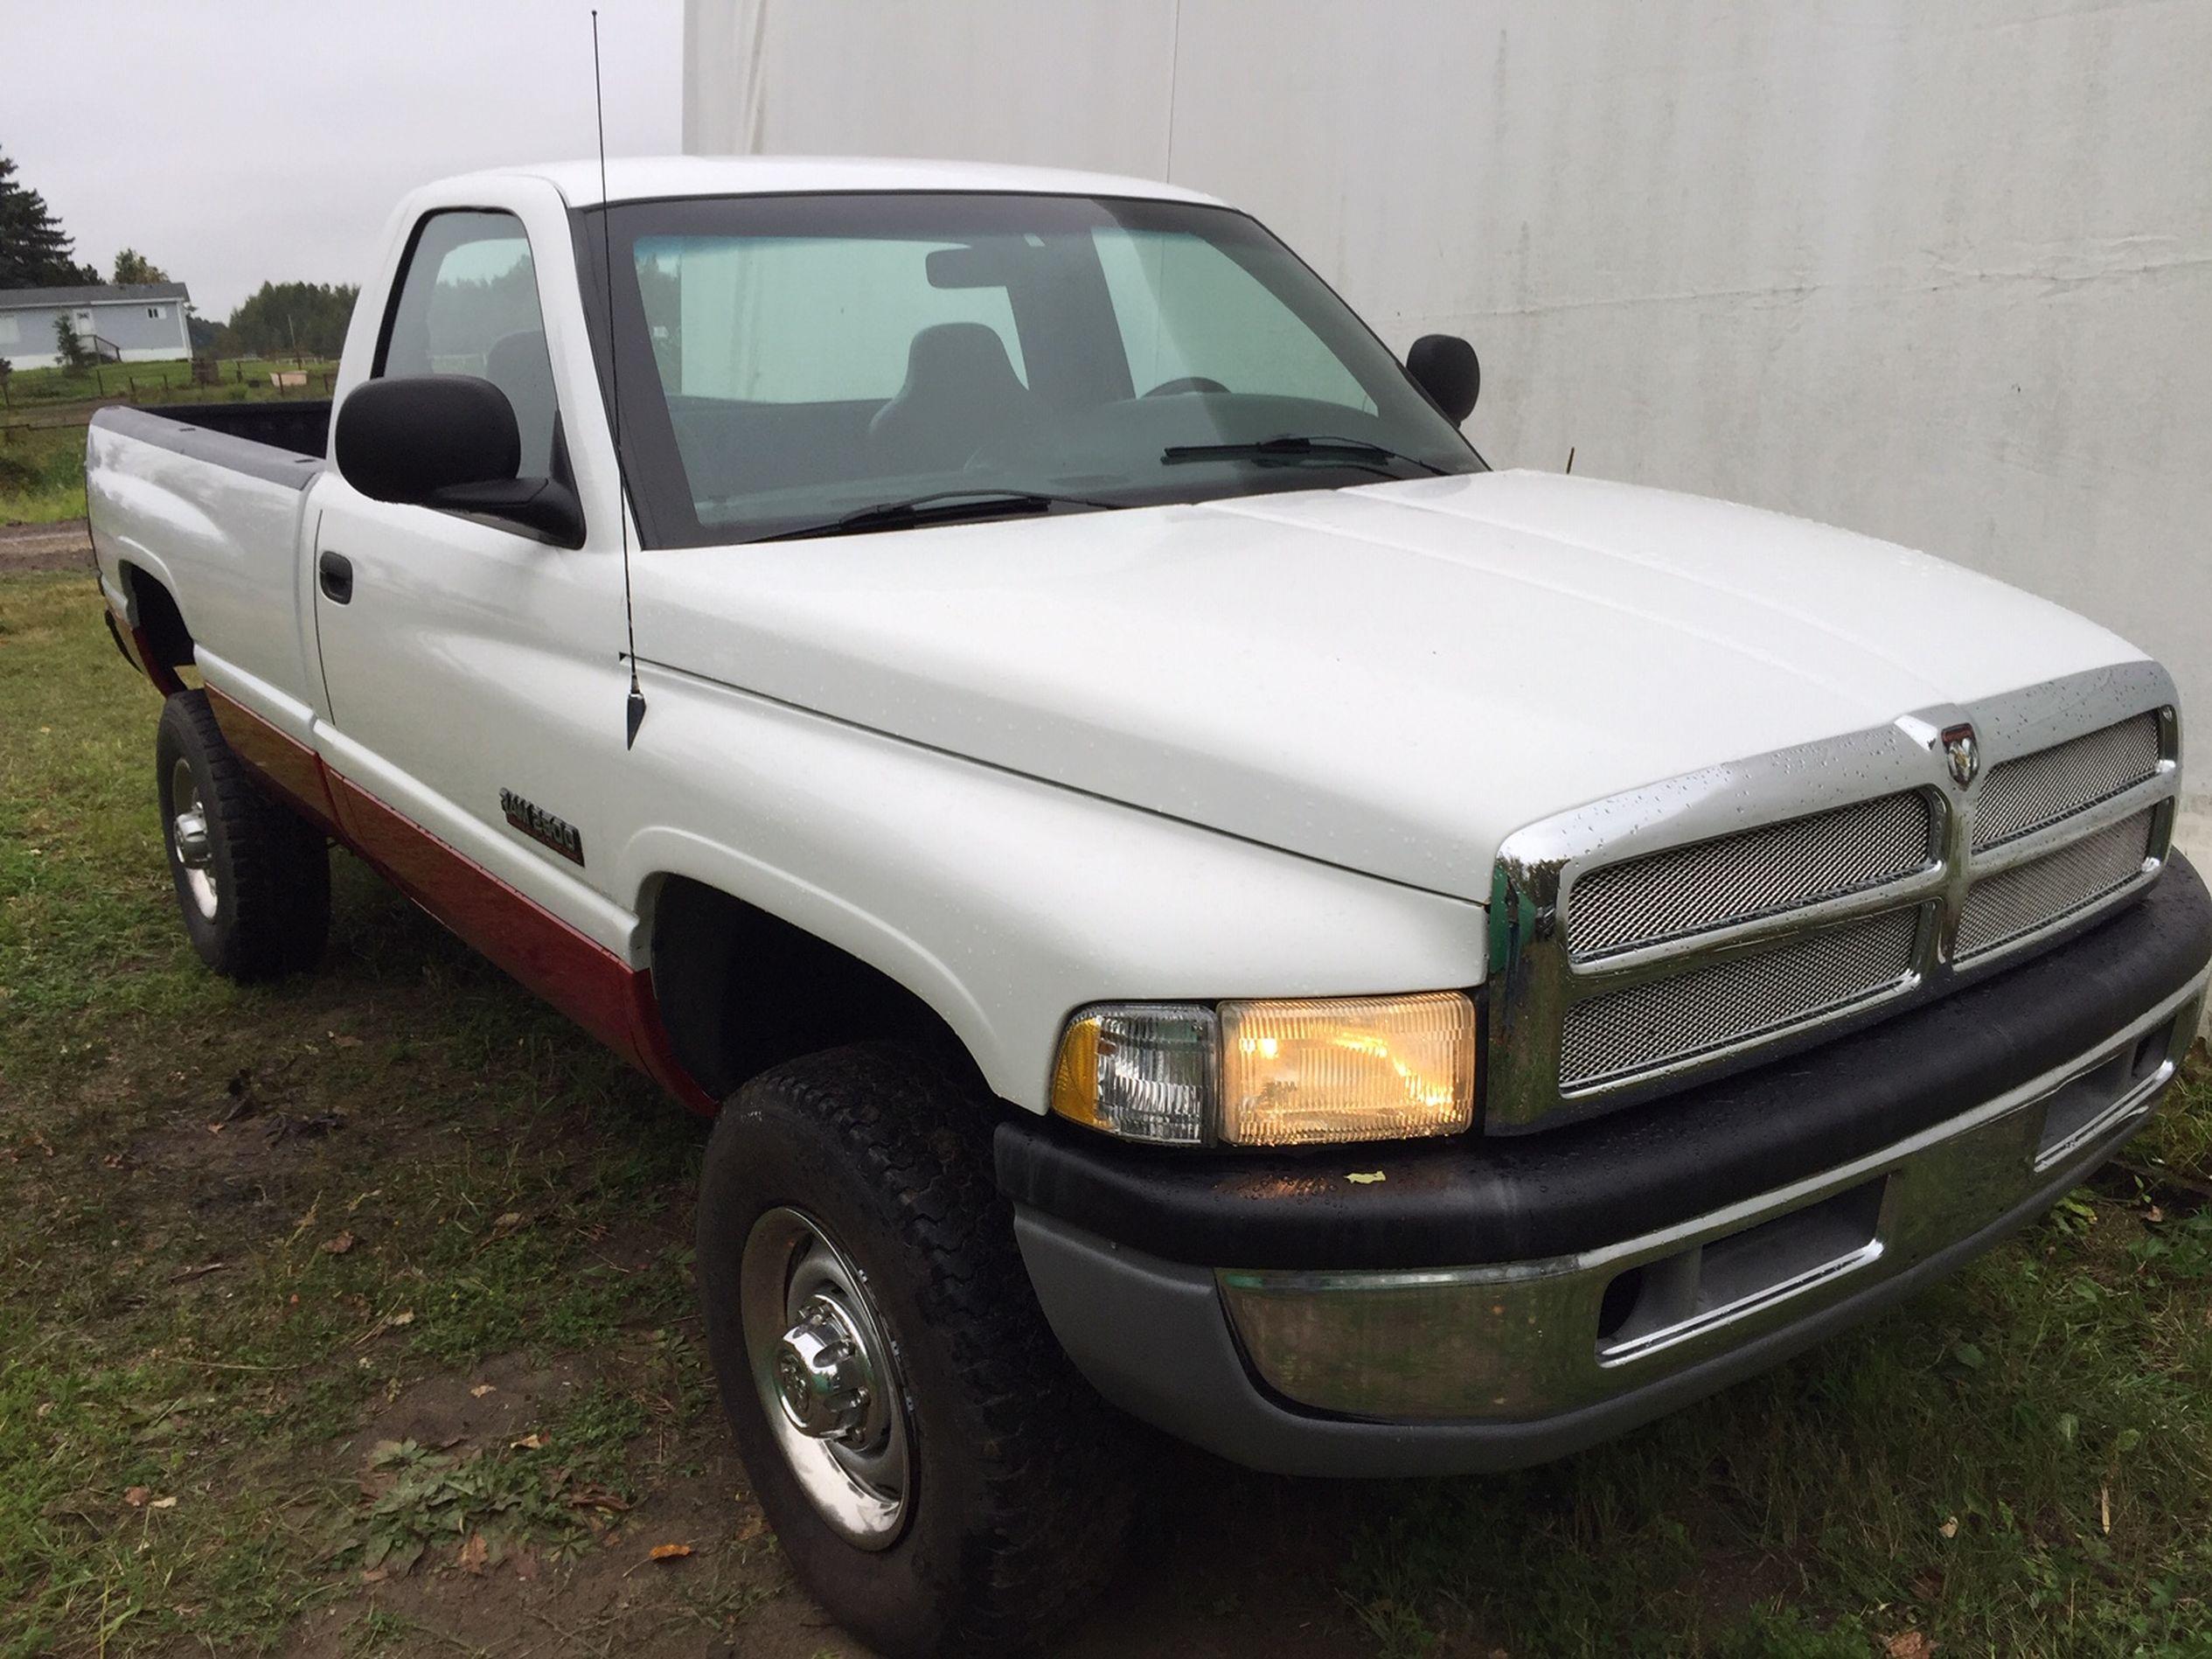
(979, 1493)
(252, 878)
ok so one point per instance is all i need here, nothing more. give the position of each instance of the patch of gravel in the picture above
(67, 545)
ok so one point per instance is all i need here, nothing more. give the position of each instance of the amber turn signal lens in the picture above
(1142, 1072)
(1308, 1072)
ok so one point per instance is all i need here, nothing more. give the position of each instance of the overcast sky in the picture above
(236, 142)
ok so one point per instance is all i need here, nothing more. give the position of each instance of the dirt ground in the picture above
(67, 545)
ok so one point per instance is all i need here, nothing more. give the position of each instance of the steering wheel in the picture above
(1189, 383)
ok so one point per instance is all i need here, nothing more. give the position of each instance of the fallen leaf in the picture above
(2156, 1215)
(507, 1222)
(170, 1504)
(1908, 1644)
(374, 1575)
(474, 1554)
(528, 1443)
(337, 1244)
(135, 1496)
(2105, 1506)
(1363, 1178)
(345, 1043)
(1949, 1528)
(482, 1388)
(669, 1552)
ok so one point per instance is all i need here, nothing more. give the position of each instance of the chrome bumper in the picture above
(1529, 1340)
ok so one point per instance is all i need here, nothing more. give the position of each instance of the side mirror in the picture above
(448, 441)
(1444, 365)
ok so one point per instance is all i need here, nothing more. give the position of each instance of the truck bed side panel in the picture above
(216, 520)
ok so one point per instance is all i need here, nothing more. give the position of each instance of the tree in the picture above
(131, 266)
(74, 354)
(284, 319)
(35, 252)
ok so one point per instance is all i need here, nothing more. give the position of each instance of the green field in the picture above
(260, 1250)
(42, 428)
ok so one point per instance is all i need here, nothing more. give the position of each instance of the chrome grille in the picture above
(1651, 1024)
(2029, 792)
(2001, 908)
(1696, 924)
(1759, 871)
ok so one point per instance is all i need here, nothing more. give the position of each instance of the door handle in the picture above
(335, 571)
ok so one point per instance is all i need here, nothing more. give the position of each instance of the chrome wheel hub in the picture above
(188, 839)
(823, 1378)
(827, 1376)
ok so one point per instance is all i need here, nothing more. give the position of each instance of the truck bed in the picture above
(284, 442)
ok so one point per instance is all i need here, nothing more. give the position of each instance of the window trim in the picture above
(559, 466)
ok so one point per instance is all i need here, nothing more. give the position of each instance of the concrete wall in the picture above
(1941, 271)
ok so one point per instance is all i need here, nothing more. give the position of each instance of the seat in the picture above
(518, 365)
(960, 394)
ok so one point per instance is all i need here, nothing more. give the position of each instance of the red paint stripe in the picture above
(289, 768)
(581, 977)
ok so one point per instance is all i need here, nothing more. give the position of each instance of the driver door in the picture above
(473, 672)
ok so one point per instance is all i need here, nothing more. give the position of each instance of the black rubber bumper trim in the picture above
(1152, 1336)
(1471, 1200)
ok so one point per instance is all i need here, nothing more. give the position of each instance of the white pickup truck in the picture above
(1173, 873)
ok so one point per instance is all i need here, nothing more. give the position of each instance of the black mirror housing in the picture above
(405, 439)
(1445, 368)
(449, 442)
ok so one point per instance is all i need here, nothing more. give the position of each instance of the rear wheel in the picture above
(938, 1477)
(252, 878)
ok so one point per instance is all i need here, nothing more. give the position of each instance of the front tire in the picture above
(252, 878)
(938, 1477)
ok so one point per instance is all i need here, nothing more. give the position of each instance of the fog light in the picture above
(1296, 1074)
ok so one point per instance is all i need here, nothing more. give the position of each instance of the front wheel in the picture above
(939, 1479)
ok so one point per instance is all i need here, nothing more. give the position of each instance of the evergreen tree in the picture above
(284, 318)
(69, 344)
(35, 252)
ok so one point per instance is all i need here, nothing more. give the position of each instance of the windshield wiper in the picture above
(939, 506)
(1291, 446)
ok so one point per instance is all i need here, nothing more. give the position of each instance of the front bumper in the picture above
(1429, 1343)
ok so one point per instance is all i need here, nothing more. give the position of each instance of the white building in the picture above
(1942, 273)
(119, 322)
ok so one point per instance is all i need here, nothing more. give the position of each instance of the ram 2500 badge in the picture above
(1183, 885)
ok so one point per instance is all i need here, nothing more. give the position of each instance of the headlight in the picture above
(1284, 1073)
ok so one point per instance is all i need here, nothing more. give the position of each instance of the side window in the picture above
(769, 319)
(1187, 311)
(468, 304)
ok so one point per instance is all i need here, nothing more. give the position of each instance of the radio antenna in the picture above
(635, 708)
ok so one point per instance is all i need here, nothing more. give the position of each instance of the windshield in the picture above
(797, 365)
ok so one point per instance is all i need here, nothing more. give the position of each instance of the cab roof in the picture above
(647, 178)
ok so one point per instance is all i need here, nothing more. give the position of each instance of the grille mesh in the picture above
(1650, 1024)
(2002, 907)
(1777, 866)
(2034, 790)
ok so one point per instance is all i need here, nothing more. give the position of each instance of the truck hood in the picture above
(1391, 678)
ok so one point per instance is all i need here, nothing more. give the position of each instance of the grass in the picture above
(179, 1158)
(42, 430)
(245, 1236)
(31, 391)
